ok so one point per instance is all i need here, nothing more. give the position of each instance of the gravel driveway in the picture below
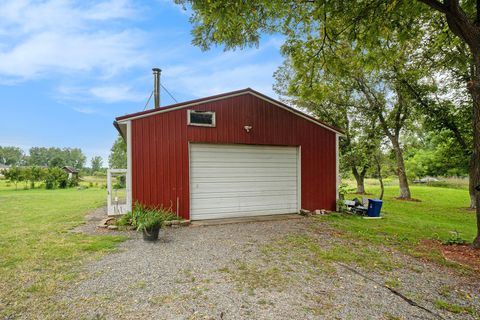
(263, 270)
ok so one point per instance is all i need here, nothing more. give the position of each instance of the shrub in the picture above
(73, 182)
(143, 217)
(455, 238)
(56, 178)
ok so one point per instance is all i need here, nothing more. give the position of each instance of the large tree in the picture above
(118, 154)
(335, 101)
(11, 156)
(369, 22)
(56, 157)
(96, 164)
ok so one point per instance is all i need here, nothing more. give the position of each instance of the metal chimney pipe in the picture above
(156, 86)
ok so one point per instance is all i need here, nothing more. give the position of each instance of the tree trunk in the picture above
(380, 178)
(402, 175)
(360, 179)
(474, 87)
(471, 183)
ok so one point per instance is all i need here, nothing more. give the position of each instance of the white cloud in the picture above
(225, 71)
(84, 110)
(51, 52)
(96, 54)
(111, 94)
(201, 82)
(39, 39)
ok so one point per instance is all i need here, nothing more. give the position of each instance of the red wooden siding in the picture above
(160, 163)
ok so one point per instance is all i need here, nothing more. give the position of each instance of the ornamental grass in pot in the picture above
(149, 221)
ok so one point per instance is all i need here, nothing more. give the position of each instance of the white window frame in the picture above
(201, 124)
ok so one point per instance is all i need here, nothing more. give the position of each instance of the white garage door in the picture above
(242, 180)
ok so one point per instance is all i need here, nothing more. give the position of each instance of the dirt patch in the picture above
(408, 199)
(93, 219)
(462, 254)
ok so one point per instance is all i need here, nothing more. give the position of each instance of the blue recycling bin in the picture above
(374, 207)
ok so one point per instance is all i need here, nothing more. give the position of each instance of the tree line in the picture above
(402, 78)
(53, 177)
(42, 157)
(51, 157)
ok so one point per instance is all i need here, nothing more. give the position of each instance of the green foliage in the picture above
(149, 219)
(56, 157)
(241, 23)
(143, 218)
(118, 154)
(34, 174)
(439, 155)
(455, 238)
(56, 178)
(344, 189)
(99, 174)
(72, 182)
(96, 164)
(14, 175)
(11, 156)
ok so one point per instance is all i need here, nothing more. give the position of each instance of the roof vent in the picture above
(156, 86)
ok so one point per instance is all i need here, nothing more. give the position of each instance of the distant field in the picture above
(449, 182)
(94, 179)
(86, 181)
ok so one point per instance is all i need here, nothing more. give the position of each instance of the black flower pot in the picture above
(151, 234)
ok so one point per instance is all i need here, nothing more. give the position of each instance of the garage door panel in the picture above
(237, 175)
(242, 180)
(205, 179)
(236, 148)
(249, 193)
(206, 203)
(243, 171)
(240, 186)
(235, 214)
(243, 164)
(287, 208)
(222, 156)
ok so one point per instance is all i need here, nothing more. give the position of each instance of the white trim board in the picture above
(129, 166)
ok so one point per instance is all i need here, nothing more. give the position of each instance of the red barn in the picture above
(231, 155)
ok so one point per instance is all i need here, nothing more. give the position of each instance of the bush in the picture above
(56, 178)
(454, 239)
(73, 182)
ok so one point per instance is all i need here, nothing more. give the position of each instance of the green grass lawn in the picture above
(441, 211)
(37, 253)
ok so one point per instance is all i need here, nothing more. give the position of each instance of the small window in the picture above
(201, 118)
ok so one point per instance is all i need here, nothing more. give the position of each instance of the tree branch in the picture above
(437, 5)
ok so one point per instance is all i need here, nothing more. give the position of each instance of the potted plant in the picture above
(149, 221)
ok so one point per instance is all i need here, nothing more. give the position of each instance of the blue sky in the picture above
(68, 68)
